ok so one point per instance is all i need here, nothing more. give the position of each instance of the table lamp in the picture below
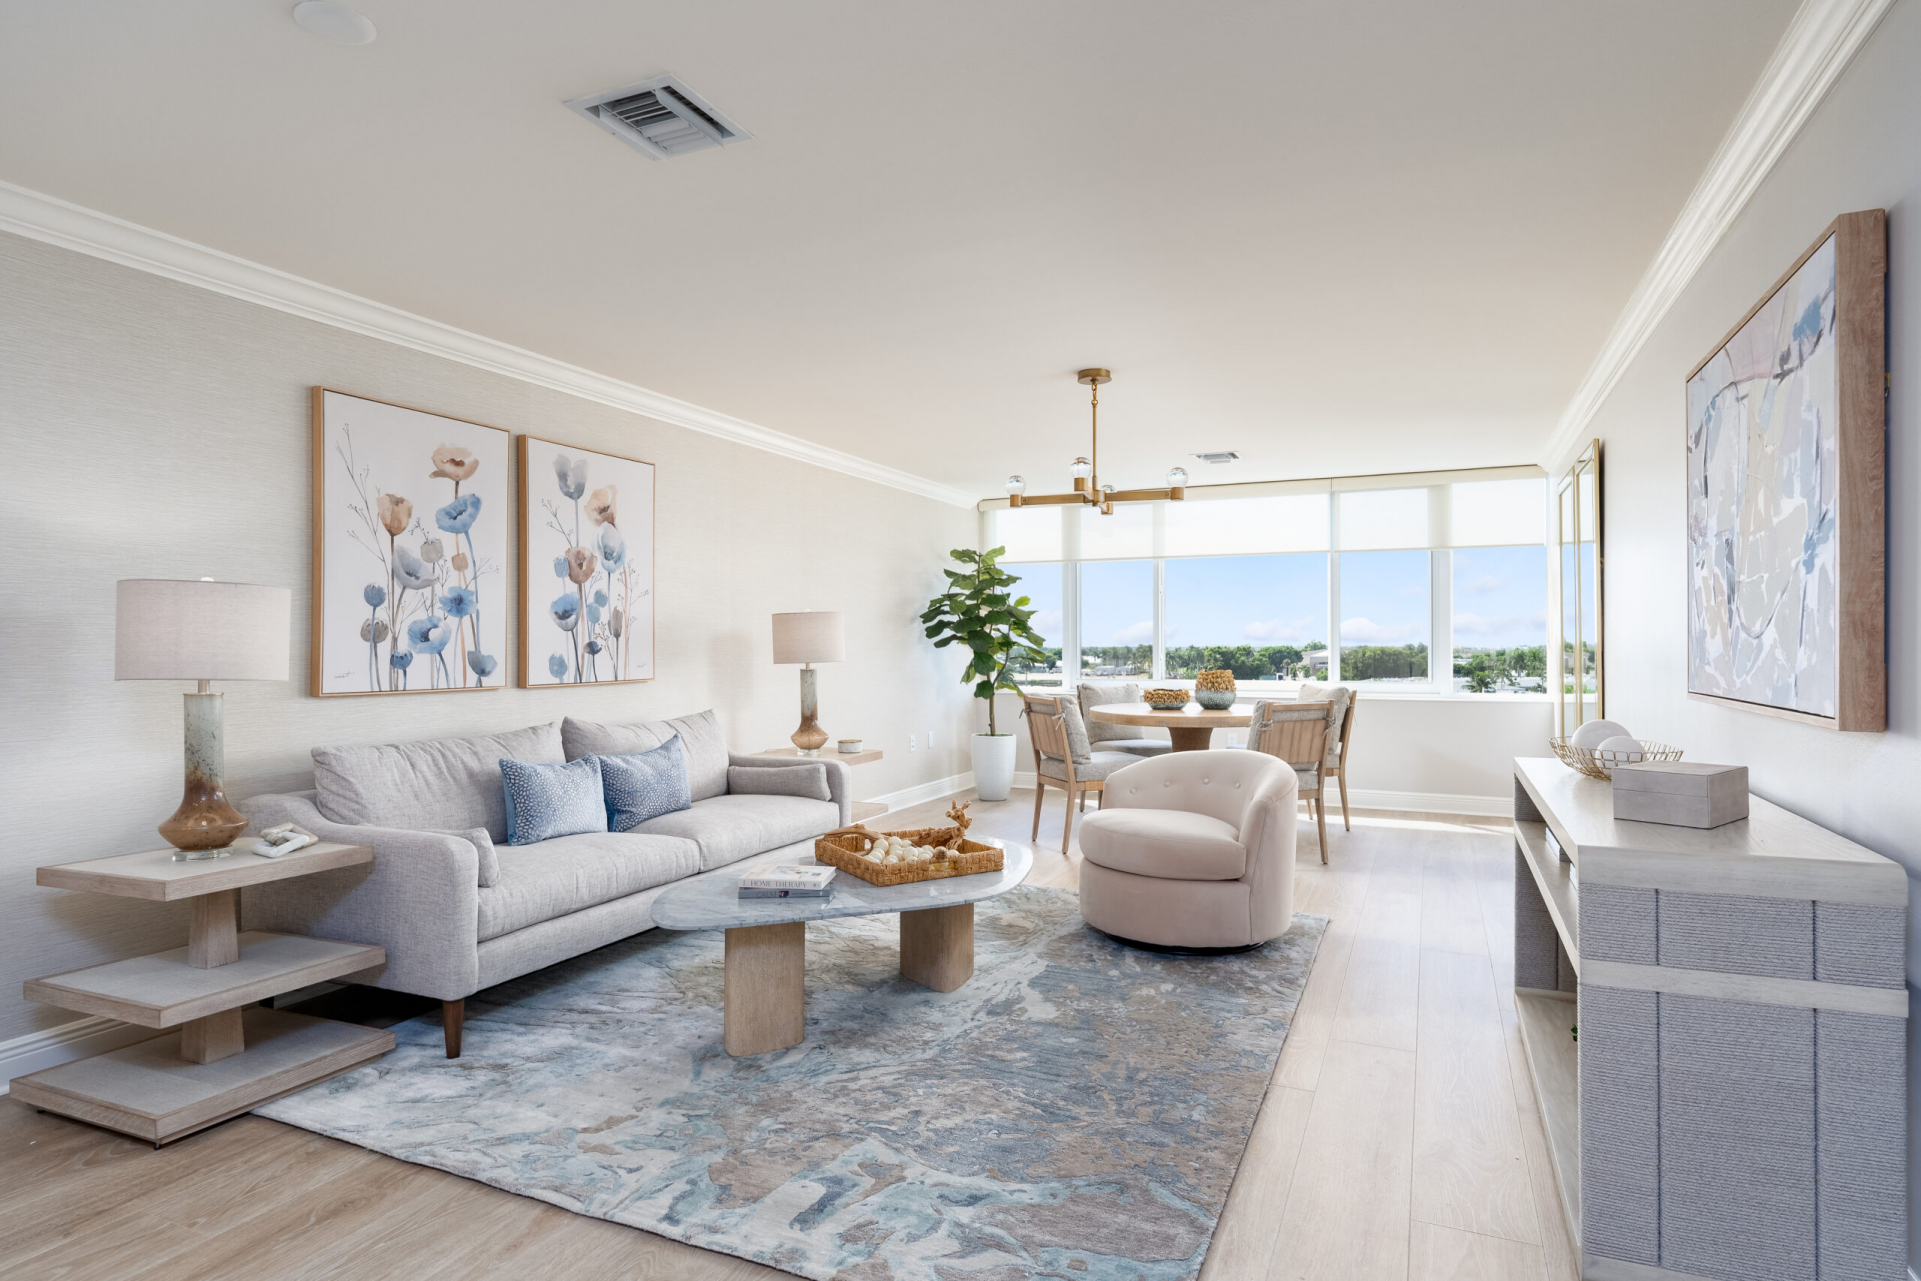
(807, 638)
(181, 630)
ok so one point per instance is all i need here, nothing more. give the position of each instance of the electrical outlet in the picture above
(913, 744)
(930, 740)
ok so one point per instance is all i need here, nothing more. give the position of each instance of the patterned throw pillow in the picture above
(644, 785)
(545, 801)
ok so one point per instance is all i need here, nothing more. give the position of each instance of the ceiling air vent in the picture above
(660, 117)
(1224, 456)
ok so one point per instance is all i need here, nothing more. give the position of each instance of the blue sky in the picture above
(1499, 599)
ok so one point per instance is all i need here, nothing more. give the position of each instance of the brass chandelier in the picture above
(1087, 481)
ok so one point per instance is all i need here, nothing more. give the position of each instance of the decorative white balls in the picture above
(1622, 749)
(1592, 734)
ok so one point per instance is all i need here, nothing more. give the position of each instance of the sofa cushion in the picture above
(701, 742)
(545, 801)
(779, 780)
(569, 873)
(731, 828)
(441, 784)
(644, 785)
(1172, 844)
(1101, 733)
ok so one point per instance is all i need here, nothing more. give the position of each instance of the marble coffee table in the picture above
(766, 997)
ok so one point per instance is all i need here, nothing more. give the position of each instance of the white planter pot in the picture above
(993, 766)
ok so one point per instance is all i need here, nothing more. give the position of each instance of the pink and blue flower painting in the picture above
(589, 518)
(410, 584)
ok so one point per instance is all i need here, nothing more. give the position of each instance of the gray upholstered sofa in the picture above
(458, 909)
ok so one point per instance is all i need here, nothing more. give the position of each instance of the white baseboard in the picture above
(1419, 802)
(64, 1043)
(924, 792)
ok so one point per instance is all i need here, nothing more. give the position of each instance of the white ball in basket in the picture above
(1594, 733)
(1623, 748)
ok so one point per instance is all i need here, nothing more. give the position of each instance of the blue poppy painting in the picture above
(410, 584)
(591, 516)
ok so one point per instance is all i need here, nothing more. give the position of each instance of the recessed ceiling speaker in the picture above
(334, 23)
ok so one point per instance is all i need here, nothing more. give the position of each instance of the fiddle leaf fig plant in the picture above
(980, 611)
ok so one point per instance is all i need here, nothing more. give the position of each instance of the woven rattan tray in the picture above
(842, 850)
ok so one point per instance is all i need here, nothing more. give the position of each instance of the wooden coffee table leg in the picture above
(937, 946)
(766, 973)
(1189, 739)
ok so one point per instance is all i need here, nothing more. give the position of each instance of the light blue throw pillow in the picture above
(645, 785)
(544, 801)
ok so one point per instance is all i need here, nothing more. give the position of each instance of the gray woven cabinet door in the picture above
(1861, 1061)
(1620, 1125)
(1737, 1139)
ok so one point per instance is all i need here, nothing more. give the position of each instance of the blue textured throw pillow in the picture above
(645, 785)
(545, 801)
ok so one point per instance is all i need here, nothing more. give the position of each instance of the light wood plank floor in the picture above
(1401, 1141)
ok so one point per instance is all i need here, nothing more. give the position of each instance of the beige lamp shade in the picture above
(169, 629)
(815, 636)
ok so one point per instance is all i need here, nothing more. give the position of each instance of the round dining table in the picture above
(1190, 727)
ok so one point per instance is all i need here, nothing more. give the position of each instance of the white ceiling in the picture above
(1338, 237)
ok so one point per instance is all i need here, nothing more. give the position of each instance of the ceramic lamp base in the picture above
(810, 737)
(205, 824)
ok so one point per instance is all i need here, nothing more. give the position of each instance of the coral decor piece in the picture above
(411, 545)
(1214, 689)
(590, 516)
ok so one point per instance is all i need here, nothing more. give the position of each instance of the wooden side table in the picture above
(228, 1055)
(863, 810)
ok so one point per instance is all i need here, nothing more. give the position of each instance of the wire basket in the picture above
(1595, 763)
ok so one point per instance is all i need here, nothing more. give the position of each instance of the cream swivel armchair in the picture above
(1193, 851)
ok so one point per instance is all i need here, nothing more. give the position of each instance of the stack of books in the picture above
(788, 880)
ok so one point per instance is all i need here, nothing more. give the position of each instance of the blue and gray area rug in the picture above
(1077, 1110)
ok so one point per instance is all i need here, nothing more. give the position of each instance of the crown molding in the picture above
(1821, 39)
(69, 226)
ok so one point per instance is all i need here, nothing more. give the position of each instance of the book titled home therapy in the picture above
(788, 880)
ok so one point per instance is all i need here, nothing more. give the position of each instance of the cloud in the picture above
(1485, 625)
(1135, 633)
(1280, 629)
(1484, 583)
(1365, 631)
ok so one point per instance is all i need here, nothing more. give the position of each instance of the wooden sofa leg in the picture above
(452, 1015)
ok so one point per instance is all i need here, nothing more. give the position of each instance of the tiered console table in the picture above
(1735, 1106)
(226, 1058)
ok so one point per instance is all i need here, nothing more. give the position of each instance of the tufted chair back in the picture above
(1219, 784)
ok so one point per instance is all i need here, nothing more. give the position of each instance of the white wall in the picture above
(151, 429)
(1452, 755)
(1861, 150)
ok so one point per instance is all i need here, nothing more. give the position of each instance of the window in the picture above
(1260, 617)
(1431, 583)
(1117, 618)
(1500, 620)
(1385, 616)
(1041, 584)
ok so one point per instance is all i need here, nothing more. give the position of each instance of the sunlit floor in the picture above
(1400, 1141)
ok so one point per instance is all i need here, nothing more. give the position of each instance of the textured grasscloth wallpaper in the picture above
(150, 429)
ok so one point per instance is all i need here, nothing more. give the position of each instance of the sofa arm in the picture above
(418, 899)
(840, 785)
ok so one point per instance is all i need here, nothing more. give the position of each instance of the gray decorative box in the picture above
(1682, 793)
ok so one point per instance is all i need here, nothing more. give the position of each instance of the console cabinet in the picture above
(1716, 1024)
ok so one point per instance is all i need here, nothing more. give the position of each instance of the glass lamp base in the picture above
(807, 751)
(195, 856)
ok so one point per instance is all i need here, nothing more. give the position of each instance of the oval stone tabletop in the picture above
(713, 902)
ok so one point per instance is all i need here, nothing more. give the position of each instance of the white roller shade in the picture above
(1499, 513)
(1028, 533)
(1126, 535)
(1246, 526)
(1383, 519)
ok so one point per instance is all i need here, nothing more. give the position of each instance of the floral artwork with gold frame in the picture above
(586, 566)
(410, 550)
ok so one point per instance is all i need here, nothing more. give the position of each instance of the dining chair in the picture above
(1297, 733)
(1338, 758)
(1063, 758)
